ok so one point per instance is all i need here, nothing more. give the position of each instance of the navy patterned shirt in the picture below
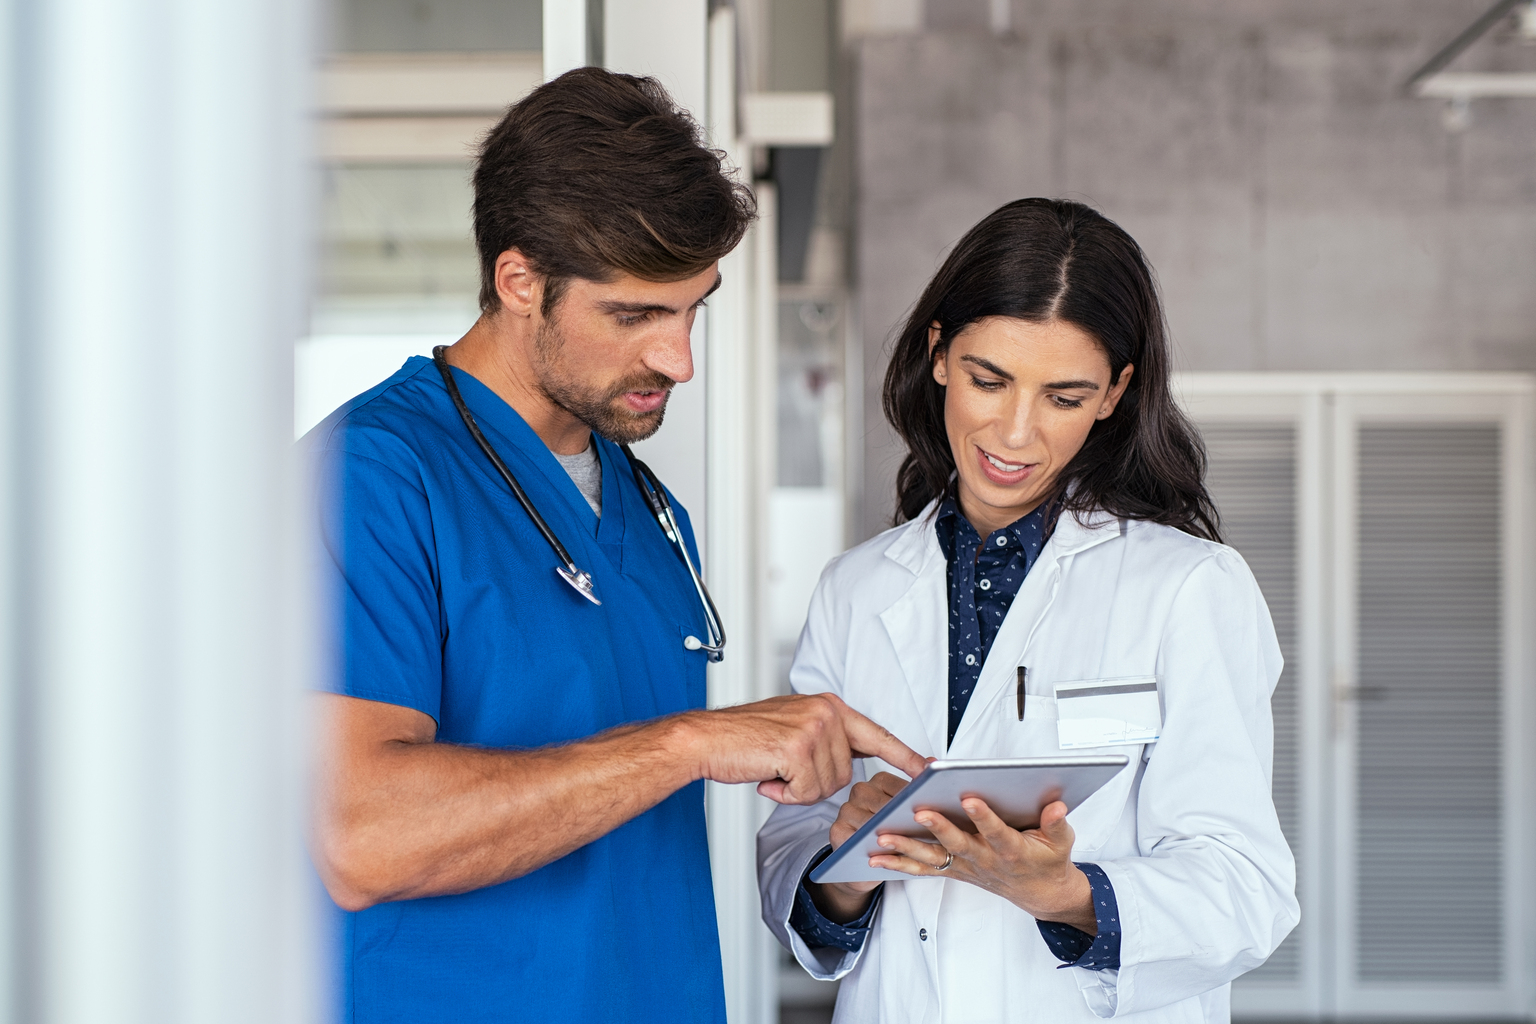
(1076, 948)
(984, 578)
(818, 931)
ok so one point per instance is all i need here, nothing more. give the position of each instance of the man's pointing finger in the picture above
(870, 740)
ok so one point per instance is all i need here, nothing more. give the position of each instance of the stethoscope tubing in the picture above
(578, 579)
(656, 496)
(650, 487)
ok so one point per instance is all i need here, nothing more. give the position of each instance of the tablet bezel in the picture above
(944, 784)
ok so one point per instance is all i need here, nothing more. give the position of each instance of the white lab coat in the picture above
(1187, 833)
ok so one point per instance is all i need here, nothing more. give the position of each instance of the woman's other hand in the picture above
(844, 901)
(1032, 869)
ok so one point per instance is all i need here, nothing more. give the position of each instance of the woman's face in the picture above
(1019, 400)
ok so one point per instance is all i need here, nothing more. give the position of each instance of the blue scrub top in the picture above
(444, 598)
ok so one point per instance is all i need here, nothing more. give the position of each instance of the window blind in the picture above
(1429, 879)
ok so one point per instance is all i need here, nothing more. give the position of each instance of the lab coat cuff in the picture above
(1100, 989)
(824, 964)
(1105, 991)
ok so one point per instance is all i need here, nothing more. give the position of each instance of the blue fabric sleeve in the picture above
(1079, 949)
(378, 583)
(821, 933)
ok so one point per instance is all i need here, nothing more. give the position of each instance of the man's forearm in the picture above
(431, 819)
(401, 816)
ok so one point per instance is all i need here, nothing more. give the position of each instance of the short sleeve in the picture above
(377, 578)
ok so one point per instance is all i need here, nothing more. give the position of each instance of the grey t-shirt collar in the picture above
(586, 472)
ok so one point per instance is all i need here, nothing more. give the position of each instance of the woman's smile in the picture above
(1001, 471)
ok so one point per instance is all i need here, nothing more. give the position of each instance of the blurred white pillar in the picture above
(739, 452)
(566, 37)
(667, 39)
(156, 151)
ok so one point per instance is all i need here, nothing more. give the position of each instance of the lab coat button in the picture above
(922, 934)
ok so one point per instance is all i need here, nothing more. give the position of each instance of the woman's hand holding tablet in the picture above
(1032, 869)
(1022, 854)
(844, 901)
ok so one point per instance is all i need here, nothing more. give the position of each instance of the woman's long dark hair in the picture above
(1043, 260)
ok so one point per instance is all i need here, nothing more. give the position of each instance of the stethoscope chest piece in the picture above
(580, 581)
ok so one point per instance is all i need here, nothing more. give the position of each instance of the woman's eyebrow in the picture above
(987, 365)
(1069, 385)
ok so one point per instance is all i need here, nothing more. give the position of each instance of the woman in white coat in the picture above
(1054, 528)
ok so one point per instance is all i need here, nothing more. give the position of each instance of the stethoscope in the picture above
(579, 579)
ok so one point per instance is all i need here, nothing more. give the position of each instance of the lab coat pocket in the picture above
(1034, 735)
(1093, 821)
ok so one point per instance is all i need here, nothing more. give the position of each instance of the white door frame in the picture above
(1325, 408)
(1505, 402)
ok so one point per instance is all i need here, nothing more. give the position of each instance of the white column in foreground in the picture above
(158, 154)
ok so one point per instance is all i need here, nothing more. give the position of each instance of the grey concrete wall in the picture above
(1300, 211)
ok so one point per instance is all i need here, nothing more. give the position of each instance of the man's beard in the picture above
(602, 409)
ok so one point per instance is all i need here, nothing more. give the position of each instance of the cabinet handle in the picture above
(1363, 693)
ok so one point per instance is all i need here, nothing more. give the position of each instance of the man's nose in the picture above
(672, 353)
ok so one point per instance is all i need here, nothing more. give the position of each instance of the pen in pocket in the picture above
(1023, 674)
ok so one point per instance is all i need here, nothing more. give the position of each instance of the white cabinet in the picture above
(1386, 518)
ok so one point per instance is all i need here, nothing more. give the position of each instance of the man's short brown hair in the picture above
(596, 174)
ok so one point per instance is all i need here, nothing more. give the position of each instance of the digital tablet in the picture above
(1015, 788)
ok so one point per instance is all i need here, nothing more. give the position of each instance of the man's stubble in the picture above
(602, 409)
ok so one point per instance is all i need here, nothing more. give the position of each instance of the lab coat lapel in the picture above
(1025, 615)
(918, 625)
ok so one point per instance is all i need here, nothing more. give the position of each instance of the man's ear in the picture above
(940, 370)
(519, 286)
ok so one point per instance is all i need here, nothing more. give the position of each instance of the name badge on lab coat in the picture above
(1106, 712)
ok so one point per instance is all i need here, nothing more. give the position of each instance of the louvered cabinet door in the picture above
(1262, 451)
(1429, 514)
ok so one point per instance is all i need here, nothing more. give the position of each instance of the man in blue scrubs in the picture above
(510, 812)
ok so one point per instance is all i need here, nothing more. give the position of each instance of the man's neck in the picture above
(498, 353)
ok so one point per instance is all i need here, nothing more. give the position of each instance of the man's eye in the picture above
(631, 319)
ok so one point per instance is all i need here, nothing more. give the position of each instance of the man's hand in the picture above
(797, 748)
(1031, 869)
